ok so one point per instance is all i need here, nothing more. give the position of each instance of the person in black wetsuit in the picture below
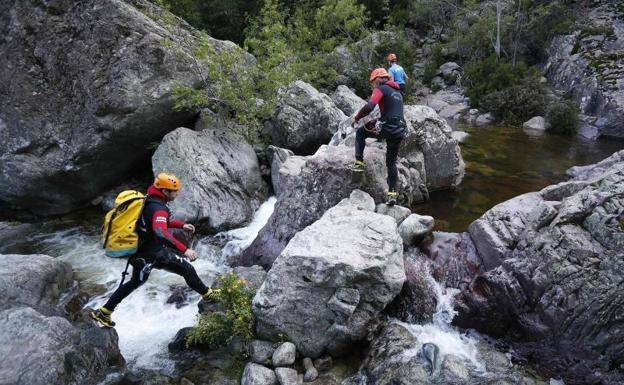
(157, 248)
(391, 126)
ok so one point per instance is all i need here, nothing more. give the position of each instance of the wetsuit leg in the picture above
(360, 141)
(137, 279)
(392, 151)
(173, 263)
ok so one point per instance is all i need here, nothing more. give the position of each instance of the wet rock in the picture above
(311, 373)
(399, 213)
(222, 185)
(552, 272)
(178, 343)
(323, 364)
(454, 259)
(287, 376)
(415, 228)
(277, 156)
(93, 110)
(304, 119)
(261, 351)
(346, 100)
(484, 120)
(285, 354)
(333, 279)
(255, 374)
(417, 301)
(40, 350)
(35, 281)
(592, 171)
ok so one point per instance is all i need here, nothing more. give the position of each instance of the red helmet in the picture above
(392, 57)
(379, 73)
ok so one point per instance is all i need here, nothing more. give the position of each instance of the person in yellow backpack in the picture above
(158, 248)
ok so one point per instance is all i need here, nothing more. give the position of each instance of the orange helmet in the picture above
(167, 181)
(379, 73)
(392, 57)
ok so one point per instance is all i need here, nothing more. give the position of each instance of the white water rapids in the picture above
(145, 322)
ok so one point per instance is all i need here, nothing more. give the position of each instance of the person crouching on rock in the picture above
(391, 126)
(158, 248)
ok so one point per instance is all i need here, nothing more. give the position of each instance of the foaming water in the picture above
(145, 322)
(441, 333)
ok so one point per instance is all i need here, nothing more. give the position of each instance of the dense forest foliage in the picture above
(499, 44)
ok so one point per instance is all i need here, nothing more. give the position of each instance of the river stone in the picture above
(332, 280)
(220, 176)
(285, 354)
(40, 350)
(277, 157)
(484, 120)
(415, 228)
(399, 213)
(587, 67)
(304, 119)
(449, 68)
(84, 105)
(261, 351)
(592, 171)
(287, 376)
(35, 281)
(312, 185)
(346, 100)
(553, 273)
(536, 123)
(255, 374)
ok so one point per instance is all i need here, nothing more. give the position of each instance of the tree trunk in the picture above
(497, 47)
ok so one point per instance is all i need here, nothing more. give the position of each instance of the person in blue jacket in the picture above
(397, 72)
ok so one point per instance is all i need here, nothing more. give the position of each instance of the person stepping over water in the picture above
(158, 248)
(391, 126)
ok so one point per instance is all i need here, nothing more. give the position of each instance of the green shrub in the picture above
(490, 75)
(516, 104)
(434, 61)
(237, 320)
(562, 117)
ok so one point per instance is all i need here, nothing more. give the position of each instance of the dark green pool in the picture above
(503, 162)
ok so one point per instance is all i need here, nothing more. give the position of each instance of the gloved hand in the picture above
(189, 227)
(190, 254)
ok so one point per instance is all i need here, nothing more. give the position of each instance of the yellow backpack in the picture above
(119, 235)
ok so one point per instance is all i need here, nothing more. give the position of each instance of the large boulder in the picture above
(277, 156)
(220, 175)
(40, 350)
(554, 266)
(87, 87)
(309, 186)
(347, 100)
(35, 281)
(397, 357)
(304, 119)
(587, 65)
(333, 279)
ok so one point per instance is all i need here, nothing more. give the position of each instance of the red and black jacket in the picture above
(390, 100)
(154, 232)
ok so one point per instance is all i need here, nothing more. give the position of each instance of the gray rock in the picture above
(304, 119)
(536, 123)
(40, 350)
(346, 100)
(399, 213)
(287, 376)
(366, 53)
(277, 157)
(307, 363)
(592, 171)
(454, 258)
(261, 351)
(312, 185)
(311, 374)
(253, 275)
(285, 355)
(415, 228)
(221, 182)
(323, 364)
(438, 83)
(552, 275)
(484, 120)
(448, 68)
(394, 358)
(255, 374)
(586, 66)
(87, 116)
(332, 280)
(35, 281)
(460, 136)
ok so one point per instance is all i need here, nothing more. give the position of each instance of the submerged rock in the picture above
(333, 279)
(221, 182)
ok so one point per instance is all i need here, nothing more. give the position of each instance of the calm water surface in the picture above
(503, 162)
